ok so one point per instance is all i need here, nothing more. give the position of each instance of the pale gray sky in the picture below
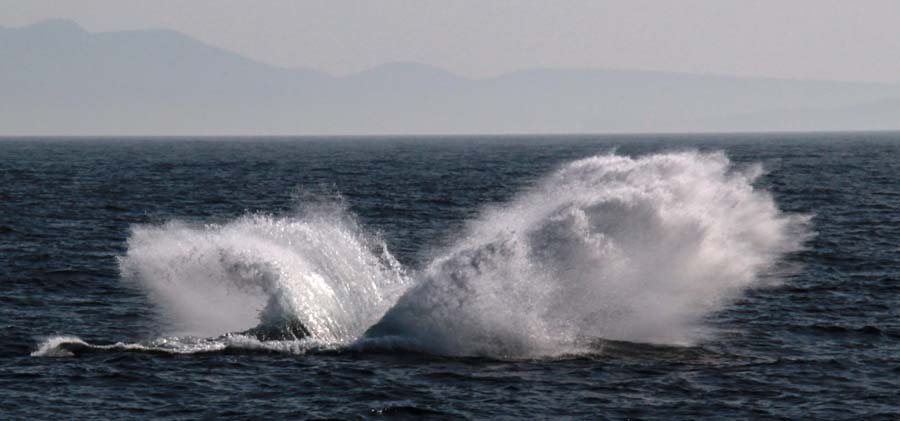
(820, 39)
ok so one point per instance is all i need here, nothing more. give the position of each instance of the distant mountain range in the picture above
(57, 79)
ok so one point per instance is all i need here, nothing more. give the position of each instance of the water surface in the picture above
(581, 276)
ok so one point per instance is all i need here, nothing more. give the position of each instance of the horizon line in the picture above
(5, 137)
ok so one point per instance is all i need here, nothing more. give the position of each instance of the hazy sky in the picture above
(823, 39)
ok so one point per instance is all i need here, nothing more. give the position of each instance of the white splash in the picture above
(317, 268)
(606, 247)
(613, 247)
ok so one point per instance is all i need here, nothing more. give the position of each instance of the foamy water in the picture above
(608, 247)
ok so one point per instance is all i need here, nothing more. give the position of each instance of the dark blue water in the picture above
(814, 335)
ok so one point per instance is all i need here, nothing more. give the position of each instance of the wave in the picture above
(612, 247)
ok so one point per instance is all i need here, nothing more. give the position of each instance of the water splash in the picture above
(606, 247)
(316, 273)
(612, 247)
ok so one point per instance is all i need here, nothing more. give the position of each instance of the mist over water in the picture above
(607, 247)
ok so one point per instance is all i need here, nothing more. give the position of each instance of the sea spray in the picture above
(609, 247)
(315, 272)
(634, 249)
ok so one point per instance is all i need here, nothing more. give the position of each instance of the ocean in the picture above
(588, 277)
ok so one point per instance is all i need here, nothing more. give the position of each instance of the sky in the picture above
(798, 39)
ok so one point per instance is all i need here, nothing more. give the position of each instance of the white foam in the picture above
(68, 346)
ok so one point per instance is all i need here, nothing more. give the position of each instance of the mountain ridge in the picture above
(61, 79)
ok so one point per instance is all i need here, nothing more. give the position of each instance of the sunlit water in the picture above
(635, 276)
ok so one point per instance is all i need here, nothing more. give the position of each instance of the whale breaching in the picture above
(637, 249)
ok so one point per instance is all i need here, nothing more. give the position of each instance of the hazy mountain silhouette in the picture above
(57, 78)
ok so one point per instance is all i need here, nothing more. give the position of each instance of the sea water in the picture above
(581, 276)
